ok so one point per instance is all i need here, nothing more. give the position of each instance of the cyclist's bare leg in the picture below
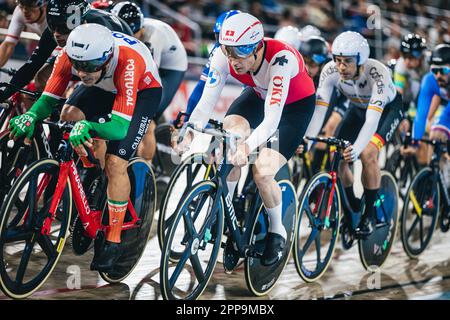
(237, 125)
(118, 192)
(371, 173)
(266, 167)
(147, 147)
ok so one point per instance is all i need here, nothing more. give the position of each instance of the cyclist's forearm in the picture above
(44, 107)
(6, 51)
(435, 103)
(316, 121)
(116, 129)
(40, 55)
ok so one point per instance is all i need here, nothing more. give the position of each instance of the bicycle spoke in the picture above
(47, 246)
(416, 220)
(311, 238)
(25, 260)
(318, 245)
(189, 224)
(180, 265)
(198, 270)
(312, 219)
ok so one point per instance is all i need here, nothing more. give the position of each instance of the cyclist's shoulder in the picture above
(429, 81)
(329, 72)
(275, 48)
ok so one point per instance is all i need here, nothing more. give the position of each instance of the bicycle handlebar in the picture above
(9, 71)
(332, 141)
(33, 94)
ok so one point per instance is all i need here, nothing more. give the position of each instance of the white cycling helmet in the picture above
(241, 34)
(351, 44)
(90, 47)
(289, 34)
(309, 31)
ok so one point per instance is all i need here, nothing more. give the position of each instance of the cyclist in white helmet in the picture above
(308, 31)
(290, 35)
(277, 103)
(30, 15)
(374, 113)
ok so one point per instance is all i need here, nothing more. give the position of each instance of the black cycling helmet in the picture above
(31, 3)
(315, 48)
(440, 55)
(130, 13)
(61, 14)
(413, 45)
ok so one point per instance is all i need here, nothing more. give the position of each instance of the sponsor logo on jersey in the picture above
(378, 79)
(277, 91)
(214, 78)
(280, 60)
(129, 81)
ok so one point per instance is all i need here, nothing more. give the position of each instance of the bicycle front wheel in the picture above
(196, 232)
(28, 257)
(420, 213)
(316, 235)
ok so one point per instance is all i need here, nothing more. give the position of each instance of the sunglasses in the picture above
(238, 52)
(442, 70)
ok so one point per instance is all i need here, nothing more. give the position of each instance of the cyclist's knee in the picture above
(267, 165)
(71, 113)
(369, 156)
(115, 166)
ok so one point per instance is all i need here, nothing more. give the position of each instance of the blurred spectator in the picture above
(214, 8)
(184, 32)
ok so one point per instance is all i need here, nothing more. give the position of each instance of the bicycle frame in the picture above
(91, 219)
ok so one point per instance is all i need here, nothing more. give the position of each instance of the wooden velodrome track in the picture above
(400, 277)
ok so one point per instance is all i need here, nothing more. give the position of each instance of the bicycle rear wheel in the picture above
(315, 239)
(28, 257)
(420, 213)
(134, 241)
(376, 248)
(196, 231)
(261, 279)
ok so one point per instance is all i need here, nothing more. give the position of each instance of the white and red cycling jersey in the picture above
(131, 69)
(18, 24)
(281, 80)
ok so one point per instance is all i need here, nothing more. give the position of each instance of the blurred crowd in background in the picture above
(383, 27)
